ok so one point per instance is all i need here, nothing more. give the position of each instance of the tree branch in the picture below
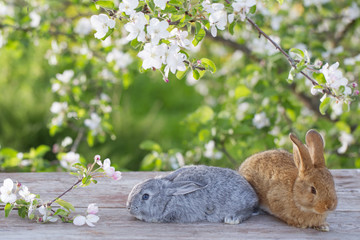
(49, 203)
(290, 59)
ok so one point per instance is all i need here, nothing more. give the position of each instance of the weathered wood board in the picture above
(116, 222)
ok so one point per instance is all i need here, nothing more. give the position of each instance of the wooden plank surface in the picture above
(116, 222)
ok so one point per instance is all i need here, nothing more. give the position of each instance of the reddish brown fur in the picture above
(284, 188)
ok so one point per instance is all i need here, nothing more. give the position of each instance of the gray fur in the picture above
(194, 194)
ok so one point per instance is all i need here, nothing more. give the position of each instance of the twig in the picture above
(290, 59)
(224, 150)
(78, 139)
(79, 181)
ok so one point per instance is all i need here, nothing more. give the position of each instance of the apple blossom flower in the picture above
(83, 27)
(110, 171)
(92, 209)
(47, 214)
(157, 30)
(7, 195)
(35, 19)
(153, 56)
(101, 23)
(122, 60)
(136, 26)
(210, 150)
(334, 77)
(67, 141)
(217, 19)
(26, 195)
(345, 139)
(180, 38)
(241, 8)
(128, 6)
(94, 123)
(69, 159)
(90, 219)
(260, 120)
(174, 60)
(161, 3)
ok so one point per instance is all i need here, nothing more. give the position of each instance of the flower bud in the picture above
(354, 85)
(356, 92)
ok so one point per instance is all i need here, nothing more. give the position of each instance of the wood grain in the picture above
(116, 222)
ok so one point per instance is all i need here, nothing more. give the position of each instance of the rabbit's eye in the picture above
(145, 196)
(313, 190)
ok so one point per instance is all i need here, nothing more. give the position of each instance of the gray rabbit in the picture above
(194, 194)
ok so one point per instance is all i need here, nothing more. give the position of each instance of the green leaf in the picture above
(111, 30)
(242, 91)
(22, 211)
(8, 208)
(231, 27)
(151, 146)
(320, 78)
(291, 75)
(208, 64)
(197, 27)
(86, 181)
(135, 43)
(196, 74)
(90, 139)
(198, 37)
(61, 212)
(253, 9)
(324, 105)
(42, 150)
(65, 204)
(298, 52)
(151, 5)
(105, 4)
(180, 74)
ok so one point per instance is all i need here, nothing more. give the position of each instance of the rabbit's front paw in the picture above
(232, 219)
(323, 228)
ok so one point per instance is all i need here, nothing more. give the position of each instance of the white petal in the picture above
(79, 220)
(8, 183)
(92, 218)
(213, 31)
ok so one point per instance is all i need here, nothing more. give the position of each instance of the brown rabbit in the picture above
(297, 188)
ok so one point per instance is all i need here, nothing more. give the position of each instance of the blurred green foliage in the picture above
(155, 125)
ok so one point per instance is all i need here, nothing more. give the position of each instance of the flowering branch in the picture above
(291, 61)
(28, 202)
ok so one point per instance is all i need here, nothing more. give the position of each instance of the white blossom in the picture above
(69, 159)
(121, 59)
(58, 107)
(241, 110)
(47, 215)
(153, 56)
(174, 60)
(128, 6)
(26, 195)
(218, 18)
(94, 123)
(241, 8)
(157, 30)
(180, 38)
(67, 141)
(66, 76)
(101, 23)
(110, 171)
(6, 190)
(35, 19)
(83, 27)
(210, 150)
(334, 77)
(90, 219)
(136, 26)
(161, 3)
(345, 139)
(260, 120)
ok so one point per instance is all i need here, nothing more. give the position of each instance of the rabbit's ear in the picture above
(174, 174)
(183, 187)
(301, 154)
(315, 143)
